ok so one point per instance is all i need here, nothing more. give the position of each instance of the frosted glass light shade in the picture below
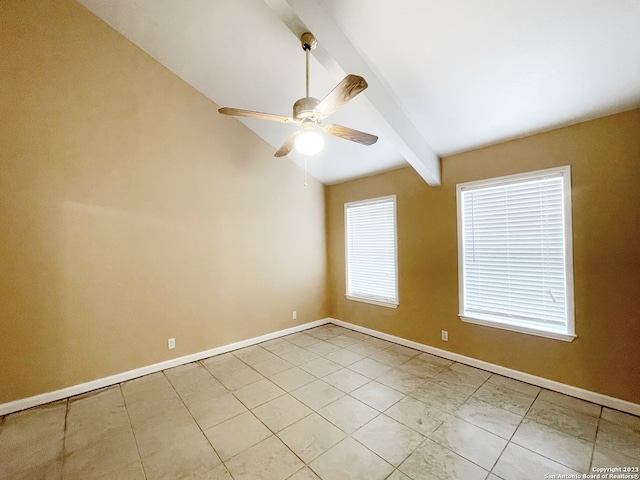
(309, 142)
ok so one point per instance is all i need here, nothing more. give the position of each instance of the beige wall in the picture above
(131, 211)
(604, 156)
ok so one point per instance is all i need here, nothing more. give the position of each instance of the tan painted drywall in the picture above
(604, 155)
(131, 211)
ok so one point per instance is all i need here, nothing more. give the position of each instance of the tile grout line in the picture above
(64, 437)
(184, 404)
(133, 432)
(509, 441)
(595, 438)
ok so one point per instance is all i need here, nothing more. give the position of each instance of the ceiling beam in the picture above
(339, 57)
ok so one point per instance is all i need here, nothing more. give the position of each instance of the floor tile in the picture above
(258, 393)
(390, 439)
(253, 354)
(493, 419)
(344, 357)
(357, 335)
(350, 460)
(620, 438)
(239, 377)
(236, 435)
(605, 457)
(417, 415)
(522, 387)
(51, 470)
(572, 403)
(363, 348)
(421, 368)
(348, 414)
(346, 380)
(304, 474)
(299, 356)
(279, 346)
(216, 410)
(397, 475)
(323, 348)
(225, 362)
(133, 471)
(473, 371)
(401, 380)
(272, 366)
(503, 397)
(458, 380)
(621, 418)
(431, 461)
(311, 436)
(435, 360)
(91, 417)
(173, 430)
(184, 462)
(343, 340)
(292, 379)
(440, 397)
(566, 449)
(323, 332)
(517, 463)
(390, 357)
(409, 352)
(471, 442)
(149, 397)
(268, 460)
(317, 394)
(377, 395)
(564, 419)
(281, 412)
(186, 375)
(379, 342)
(301, 339)
(320, 367)
(114, 450)
(195, 384)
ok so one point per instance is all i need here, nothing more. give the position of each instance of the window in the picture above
(371, 261)
(514, 253)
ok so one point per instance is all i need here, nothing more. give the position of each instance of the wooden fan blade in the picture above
(351, 134)
(251, 114)
(348, 88)
(287, 146)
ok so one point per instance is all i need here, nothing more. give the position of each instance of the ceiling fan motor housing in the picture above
(303, 109)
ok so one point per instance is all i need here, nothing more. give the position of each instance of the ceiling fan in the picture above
(309, 112)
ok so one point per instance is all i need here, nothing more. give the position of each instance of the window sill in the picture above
(565, 337)
(381, 303)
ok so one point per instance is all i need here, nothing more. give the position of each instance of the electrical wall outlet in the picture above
(295, 315)
(445, 335)
(171, 343)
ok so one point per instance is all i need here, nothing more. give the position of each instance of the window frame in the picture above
(568, 334)
(372, 299)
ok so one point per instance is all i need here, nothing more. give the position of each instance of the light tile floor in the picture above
(327, 403)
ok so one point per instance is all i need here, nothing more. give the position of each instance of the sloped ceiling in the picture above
(444, 77)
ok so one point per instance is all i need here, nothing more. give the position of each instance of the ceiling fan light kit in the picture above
(309, 142)
(309, 112)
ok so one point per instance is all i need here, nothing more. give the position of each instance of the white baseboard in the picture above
(24, 403)
(587, 395)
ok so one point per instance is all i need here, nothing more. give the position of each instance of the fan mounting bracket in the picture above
(304, 108)
(308, 41)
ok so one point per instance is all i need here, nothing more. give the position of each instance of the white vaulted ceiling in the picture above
(444, 77)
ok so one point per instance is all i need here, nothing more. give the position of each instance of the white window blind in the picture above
(515, 252)
(370, 230)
